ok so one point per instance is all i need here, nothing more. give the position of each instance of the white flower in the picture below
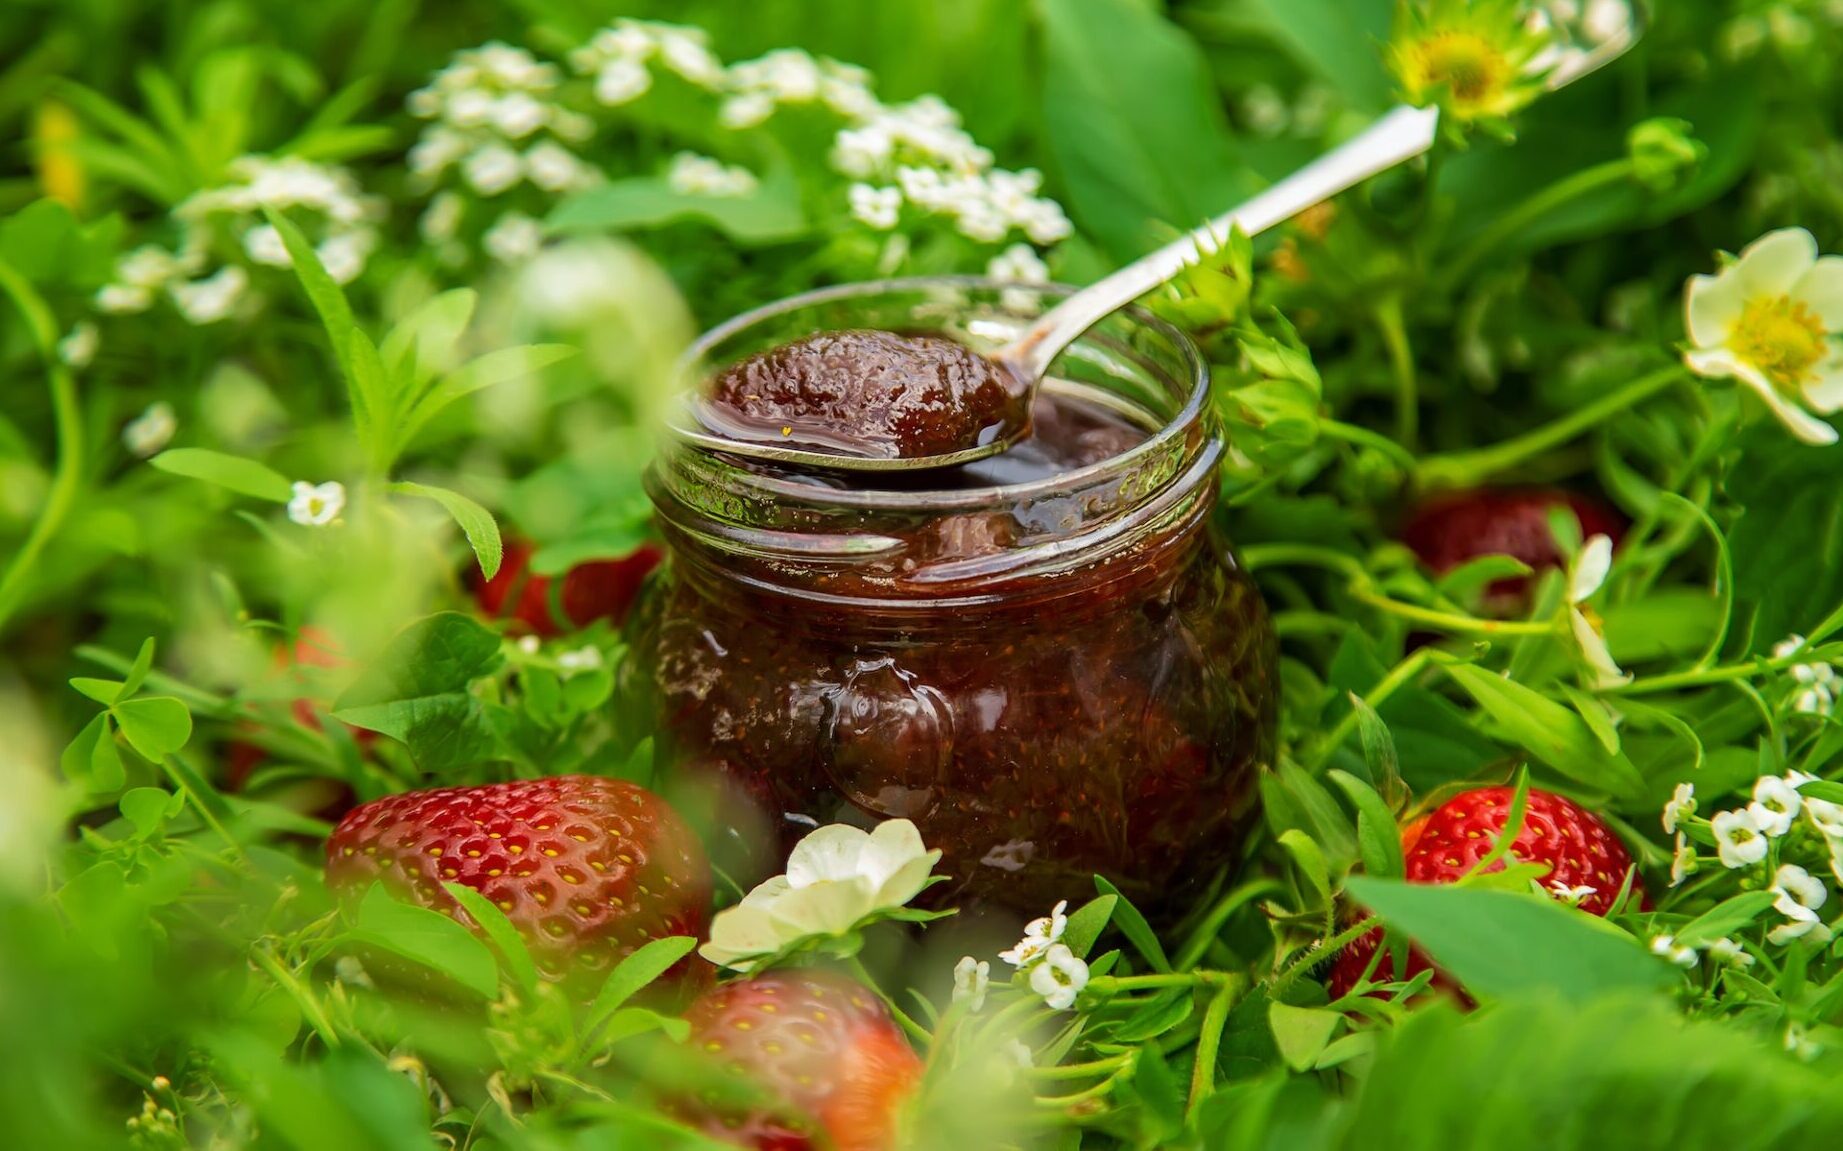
(442, 218)
(555, 168)
(1585, 576)
(493, 169)
(1606, 20)
(264, 245)
(1817, 682)
(1059, 978)
(1018, 264)
(1020, 1053)
(1727, 951)
(1775, 805)
(518, 114)
(529, 644)
(1798, 1042)
(1682, 861)
(785, 76)
(745, 111)
(211, 299)
(118, 299)
(1039, 935)
(837, 877)
(1738, 839)
(343, 254)
(1667, 947)
(1771, 320)
(436, 150)
(1681, 806)
(514, 239)
(693, 175)
(316, 505)
(683, 52)
(878, 208)
(622, 82)
(1800, 895)
(1572, 896)
(971, 979)
(586, 658)
(150, 431)
(78, 347)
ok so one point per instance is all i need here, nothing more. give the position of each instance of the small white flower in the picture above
(1039, 935)
(119, 299)
(1798, 1042)
(514, 239)
(745, 111)
(1606, 20)
(1738, 839)
(343, 254)
(1775, 805)
(530, 644)
(264, 245)
(622, 81)
(555, 168)
(211, 299)
(1818, 684)
(1827, 817)
(686, 55)
(1019, 1052)
(1018, 264)
(1666, 947)
(837, 877)
(971, 979)
(1682, 861)
(1585, 576)
(1771, 320)
(585, 658)
(150, 431)
(1681, 806)
(878, 208)
(442, 219)
(693, 175)
(1572, 896)
(1725, 950)
(493, 169)
(518, 114)
(470, 108)
(78, 347)
(1059, 978)
(1800, 895)
(316, 505)
(438, 148)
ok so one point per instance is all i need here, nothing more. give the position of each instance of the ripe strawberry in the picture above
(600, 589)
(1456, 529)
(821, 1045)
(1578, 847)
(587, 869)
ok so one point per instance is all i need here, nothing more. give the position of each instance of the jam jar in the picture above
(1049, 660)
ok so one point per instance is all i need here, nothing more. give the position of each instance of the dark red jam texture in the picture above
(868, 394)
(1108, 719)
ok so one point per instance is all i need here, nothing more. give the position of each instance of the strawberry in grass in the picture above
(588, 869)
(599, 589)
(1587, 863)
(1456, 529)
(821, 1053)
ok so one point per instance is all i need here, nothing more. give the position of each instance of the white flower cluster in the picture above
(1056, 973)
(620, 55)
(325, 200)
(917, 153)
(1817, 681)
(497, 123)
(693, 175)
(1744, 836)
(790, 76)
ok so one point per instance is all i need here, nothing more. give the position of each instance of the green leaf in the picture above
(1434, 739)
(1160, 1014)
(499, 929)
(477, 374)
(1378, 750)
(426, 937)
(637, 971)
(335, 315)
(103, 691)
(1086, 925)
(1595, 714)
(1378, 836)
(1725, 917)
(475, 521)
(1500, 943)
(1309, 861)
(1788, 543)
(155, 727)
(1301, 1033)
(1133, 925)
(240, 475)
(1134, 124)
(1473, 576)
(106, 770)
(1827, 790)
(137, 671)
(1158, 1092)
(1554, 734)
(148, 808)
(630, 1021)
(423, 345)
(79, 758)
(771, 215)
(418, 691)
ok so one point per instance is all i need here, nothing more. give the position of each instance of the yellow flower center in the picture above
(1473, 69)
(1782, 338)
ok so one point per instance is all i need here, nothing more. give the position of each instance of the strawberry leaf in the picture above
(638, 970)
(427, 937)
(512, 950)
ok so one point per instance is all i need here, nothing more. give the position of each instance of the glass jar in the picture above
(1055, 678)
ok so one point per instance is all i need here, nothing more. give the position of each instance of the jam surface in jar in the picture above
(1041, 722)
(866, 393)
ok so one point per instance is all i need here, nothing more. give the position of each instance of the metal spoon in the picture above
(1399, 136)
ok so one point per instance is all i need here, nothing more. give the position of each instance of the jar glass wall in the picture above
(1055, 671)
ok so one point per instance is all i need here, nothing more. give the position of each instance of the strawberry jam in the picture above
(1048, 660)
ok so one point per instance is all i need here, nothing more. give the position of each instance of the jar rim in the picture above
(1179, 424)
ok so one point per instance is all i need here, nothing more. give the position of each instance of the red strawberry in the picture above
(1456, 529)
(820, 1045)
(600, 589)
(588, 869)
(1578, 847)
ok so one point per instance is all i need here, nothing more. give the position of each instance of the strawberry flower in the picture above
(1585, 576)
(839, 879)
(1771, 319)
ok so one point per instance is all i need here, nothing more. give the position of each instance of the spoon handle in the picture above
(1401, 135)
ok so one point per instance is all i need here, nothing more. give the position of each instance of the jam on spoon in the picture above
(868, 394)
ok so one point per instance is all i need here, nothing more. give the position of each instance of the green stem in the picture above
(68, 416)
(1447, 621)
(1401, 363)
(1209, 1041)
(1466, 469)
(1082, 1070)
(1109, 984)
(1713, 675)
(1540, 204)
(1353, 434)
(1387, 686)
(1323, 951)
(1194, 948)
